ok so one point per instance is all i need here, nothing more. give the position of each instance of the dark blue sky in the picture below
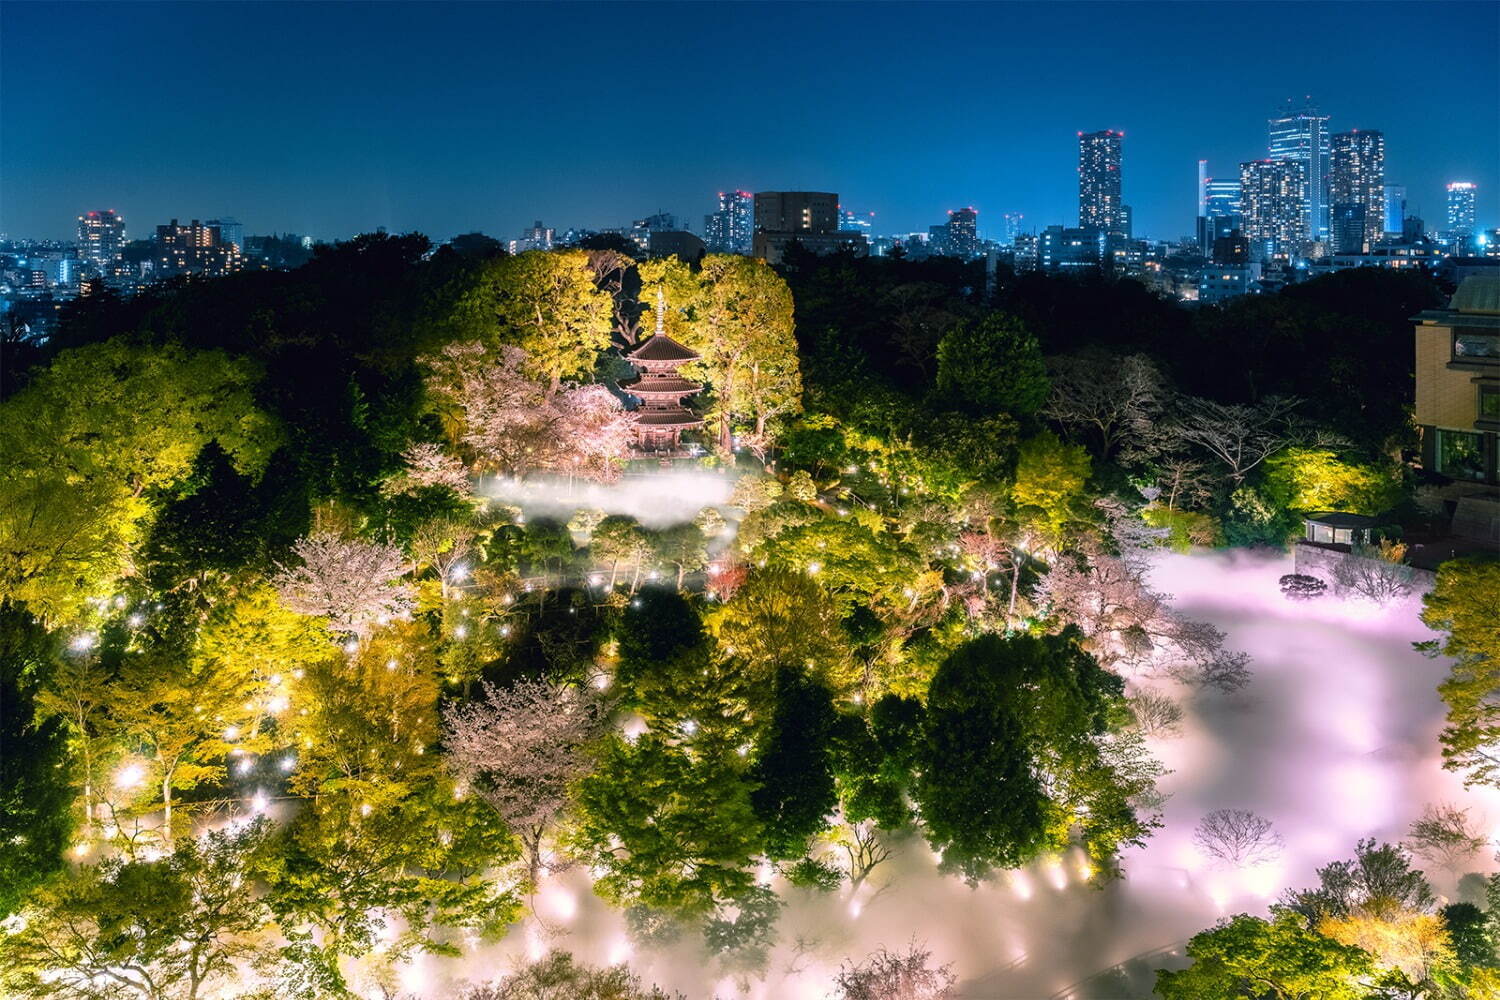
(332, 119)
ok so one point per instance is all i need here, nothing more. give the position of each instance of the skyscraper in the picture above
(1395, 209)
(1273, 199)
(1300, 134)
(961, 234)
(1099, 180)
(1221, 197)
(1012, 224)
(1461, 209)
(100, 237)
(1356, 177)
(1219, 208)
(730, 228)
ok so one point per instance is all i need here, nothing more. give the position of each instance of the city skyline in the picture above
(485, 149)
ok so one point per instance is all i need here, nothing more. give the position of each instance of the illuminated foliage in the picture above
(781, 618)
(1049, 485)
(92, 445)
(667, 821)
(181, 927)
(1246, 956)
(1462, 606)
(1013, 752)
(547, 304)
(740, 323)
(992, 364)
(1306, 480)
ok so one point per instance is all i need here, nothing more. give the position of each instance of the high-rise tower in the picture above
(1273, 198)
(1300, 134)
(729, 230)
(1099, 181)
(1461, 209)
(1356, 188)
(101, 235)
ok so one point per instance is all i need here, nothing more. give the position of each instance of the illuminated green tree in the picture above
(1247, 958)
(667, 820)
(741, 326)
(992, 365)
(1304, 480)
(546, 303)
(92, 442)
(782, 618)
(1017, 748)
(385, 832)
(1462, 606)
(181, 927)
(1049, 491)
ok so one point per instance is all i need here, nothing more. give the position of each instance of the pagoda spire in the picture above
(661, 310)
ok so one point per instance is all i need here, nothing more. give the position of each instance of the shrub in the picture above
(1301, 587)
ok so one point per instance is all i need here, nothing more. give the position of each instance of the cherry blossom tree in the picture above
(520, 748)
(427, 465)
(354, 584)
(593, 432)
(499, 413)
(1129, 625)
(511, 423)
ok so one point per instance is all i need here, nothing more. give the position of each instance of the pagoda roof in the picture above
(664, 386)
(659, 419)
(661, 347)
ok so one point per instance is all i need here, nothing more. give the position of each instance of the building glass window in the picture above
(1470, 345)
(1460, 454)
(1489, 402)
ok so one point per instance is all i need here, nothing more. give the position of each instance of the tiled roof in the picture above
(661, 348)
(1478, 294)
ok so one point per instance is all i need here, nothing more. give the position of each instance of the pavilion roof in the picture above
(679, 418)
(665, 386)
(661, 348)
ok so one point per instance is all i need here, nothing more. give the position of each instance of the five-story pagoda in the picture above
(661, 417)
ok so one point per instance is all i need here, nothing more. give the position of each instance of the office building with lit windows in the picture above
(231, 230)
(1300, 135)
(1012, 224)
(959, 235)
(101, 235)
(810, 218)
(1356, 186)
(196, 248)
(1099, 183)
(1461, 195)
(730, 229)
(1273, 200)
(1395, 210)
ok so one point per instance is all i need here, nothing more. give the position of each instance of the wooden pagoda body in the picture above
(661, 417)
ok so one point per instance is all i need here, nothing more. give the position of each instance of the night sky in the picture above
(334, 119)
